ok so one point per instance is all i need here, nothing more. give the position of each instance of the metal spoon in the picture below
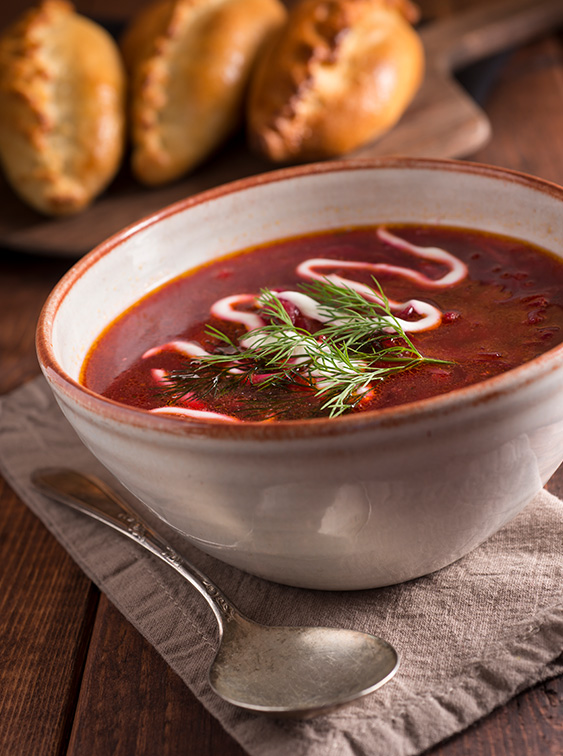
(281, 671)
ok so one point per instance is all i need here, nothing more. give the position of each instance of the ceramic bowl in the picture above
(346, 503)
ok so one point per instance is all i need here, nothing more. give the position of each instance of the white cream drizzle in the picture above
(430, 316)
(187, 412)
(187, 348)
(160, 377)
(226, 309)
(457, 272)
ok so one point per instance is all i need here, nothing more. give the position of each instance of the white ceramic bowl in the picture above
(348, 503)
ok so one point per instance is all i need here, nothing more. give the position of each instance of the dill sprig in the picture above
(361, 343)
(352, 318)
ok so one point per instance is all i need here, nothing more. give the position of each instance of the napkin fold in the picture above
(470, 636)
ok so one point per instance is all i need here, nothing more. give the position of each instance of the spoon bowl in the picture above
(298, 671)
(281, 671)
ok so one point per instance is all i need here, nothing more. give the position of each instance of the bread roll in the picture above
(189, 63)
(62, 89)
(340, 74)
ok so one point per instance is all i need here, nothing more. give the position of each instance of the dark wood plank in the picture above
(526, 112)
(106, 9)
(529, 725)
(46, 603)
(25, 282)
(100, 9)
(46, 612)
(132, 703)
(555, 485)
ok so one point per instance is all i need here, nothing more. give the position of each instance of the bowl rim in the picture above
(442, 404)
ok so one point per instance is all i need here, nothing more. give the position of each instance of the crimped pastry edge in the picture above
(41, 178)
(282, 134)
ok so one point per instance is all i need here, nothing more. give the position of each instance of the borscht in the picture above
(332, 323)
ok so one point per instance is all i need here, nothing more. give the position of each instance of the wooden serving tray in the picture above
(442, 121)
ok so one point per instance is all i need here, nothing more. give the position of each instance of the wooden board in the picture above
(443, 121)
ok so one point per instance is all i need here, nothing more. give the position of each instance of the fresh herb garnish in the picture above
(360, 343)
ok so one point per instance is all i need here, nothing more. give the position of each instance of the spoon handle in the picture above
(89, 495)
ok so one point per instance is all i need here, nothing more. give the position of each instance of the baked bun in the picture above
(189, 62)
(62, 90)
(340, 74)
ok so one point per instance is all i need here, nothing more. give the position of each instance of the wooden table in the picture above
(75, 677)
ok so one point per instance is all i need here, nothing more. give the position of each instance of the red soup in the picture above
(332, 323)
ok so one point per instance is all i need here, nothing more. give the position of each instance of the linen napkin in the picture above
(470, 636)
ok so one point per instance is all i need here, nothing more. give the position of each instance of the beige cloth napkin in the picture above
(470, 636)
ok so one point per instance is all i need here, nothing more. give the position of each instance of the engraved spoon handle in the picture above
(91, 496)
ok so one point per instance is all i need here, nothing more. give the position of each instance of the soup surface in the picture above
(347, 321)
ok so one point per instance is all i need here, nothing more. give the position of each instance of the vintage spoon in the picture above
(281, 671)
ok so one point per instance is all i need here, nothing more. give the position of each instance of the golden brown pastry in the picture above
(62, 89)
(189, 64)
(340, 74)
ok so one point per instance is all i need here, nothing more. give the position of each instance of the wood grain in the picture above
(443, 121)
(526, 103)
(46, 603)
(20, 306)
(73, 685)
(530, 724)
(47, 606)
(169, 720)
